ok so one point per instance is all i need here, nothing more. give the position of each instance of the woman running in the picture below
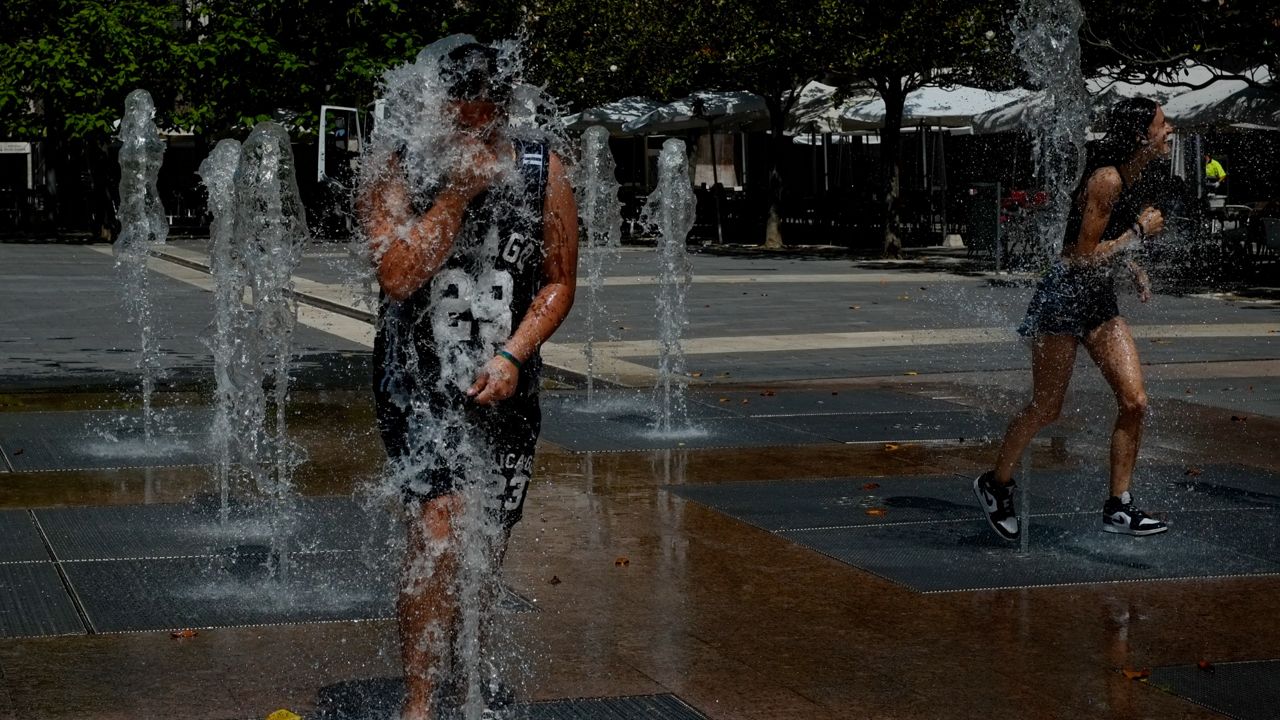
(1075, 304)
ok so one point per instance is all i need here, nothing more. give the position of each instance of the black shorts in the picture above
(1071, 301)
(454, 443)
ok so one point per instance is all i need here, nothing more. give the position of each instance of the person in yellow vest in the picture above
(1214, 175)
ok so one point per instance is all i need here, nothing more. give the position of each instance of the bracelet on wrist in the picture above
(511, 359)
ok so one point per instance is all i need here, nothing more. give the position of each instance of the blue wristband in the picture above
(511, 358)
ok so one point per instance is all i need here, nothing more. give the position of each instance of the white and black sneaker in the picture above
(997, 503)
(1119, 516)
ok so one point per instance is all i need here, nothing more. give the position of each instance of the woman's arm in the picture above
(497, 380)
(1100, 197)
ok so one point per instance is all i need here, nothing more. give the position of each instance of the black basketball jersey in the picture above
(438, 338)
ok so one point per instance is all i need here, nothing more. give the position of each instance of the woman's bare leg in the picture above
(1111, 346)
(1052, 359)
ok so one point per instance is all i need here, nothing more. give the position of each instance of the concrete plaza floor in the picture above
(736, 620)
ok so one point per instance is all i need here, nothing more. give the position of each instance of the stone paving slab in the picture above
(1242, 690)
(20, 539)
(629, 404)
(635, 433)
(770, 403)
(102, 439)
(177, 530)
(1249, 395)
(33, 602)
(899, 427)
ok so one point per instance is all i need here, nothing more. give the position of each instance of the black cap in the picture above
(471, 72)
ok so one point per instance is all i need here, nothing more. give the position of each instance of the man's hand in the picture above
(477, 168)
(495, 382)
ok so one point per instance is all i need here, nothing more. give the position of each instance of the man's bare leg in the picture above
(426, 608)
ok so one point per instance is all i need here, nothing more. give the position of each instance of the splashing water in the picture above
(601, 211)
(217, 172)
(270, 233)
(143, 227)
(671, 209)
(435, 342)
(1047, 40)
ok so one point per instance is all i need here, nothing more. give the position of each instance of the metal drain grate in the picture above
(928, 534)
(379, 698)
(34, 602)
(1242, 690)
(95, 440)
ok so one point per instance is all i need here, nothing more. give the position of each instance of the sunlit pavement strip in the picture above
(353, 323)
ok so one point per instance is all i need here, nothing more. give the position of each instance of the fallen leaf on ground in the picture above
(876, 512)
(767, 393)
(724, 399)
(18, 451)
(870, 486)
(1205, 665)
(833, 392)
(911, 372)
(723, 374)
(695, 374)
(1193, 471)
(1239, 418)
(283, 714)
(904, 297)
(555, 580)
(1137, 674)
(855, 307)
(621, 562)
(183, 634)
(890, 447)
(745, 401)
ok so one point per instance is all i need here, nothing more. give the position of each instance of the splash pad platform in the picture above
(927, 533)
(1244, 690)
(138, 568)
(378, 698)
(103, 440)
(619, 421)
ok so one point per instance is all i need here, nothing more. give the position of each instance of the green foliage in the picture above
(1144, 39)
(65, 67)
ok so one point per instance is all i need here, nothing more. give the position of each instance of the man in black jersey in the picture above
(475, 276)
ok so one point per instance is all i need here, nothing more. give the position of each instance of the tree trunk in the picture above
(777, 124)
(895, 97)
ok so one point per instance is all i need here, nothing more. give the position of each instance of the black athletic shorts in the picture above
(503, 435)
(1071, 300)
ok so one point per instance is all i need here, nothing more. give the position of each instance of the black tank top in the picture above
(1124, 213)
(460, 317)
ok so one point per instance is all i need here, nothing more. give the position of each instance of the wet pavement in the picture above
(641, 586)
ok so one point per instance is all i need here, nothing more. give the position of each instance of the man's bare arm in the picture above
(497, 381)
(414, 249)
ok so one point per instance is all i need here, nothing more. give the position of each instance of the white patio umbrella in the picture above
(1229, 103)
(612, 115)
(933, 106)
(1103, 91)
(719, 110)
(817, 111)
